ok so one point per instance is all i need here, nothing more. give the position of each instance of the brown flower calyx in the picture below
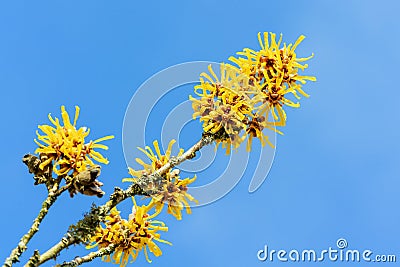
(32, 162)
(86, 182)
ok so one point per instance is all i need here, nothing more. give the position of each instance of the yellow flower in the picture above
(223, 117)
(236, 104)
(65, 146)
(255, 129)
(174, 195)
(224, 104)
(274, 70)
(231, 89)
(130, 236)
(171, 190)
(231, 141)
(272, 99)
(157, 161)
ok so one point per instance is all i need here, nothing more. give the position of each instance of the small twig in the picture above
(34, 259)
(189, 154)
(63, 189)
(89, 257)
(52, 252)
(120, 195)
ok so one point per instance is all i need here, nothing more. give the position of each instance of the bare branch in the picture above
(89, 257)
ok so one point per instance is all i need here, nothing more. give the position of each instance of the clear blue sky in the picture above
(336, 171)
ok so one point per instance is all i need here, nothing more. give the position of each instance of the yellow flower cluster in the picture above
(173, 190)
(174, 194)
(130, 236)
(274, 71)
(139, 232)
(65, 145)
(237, 104)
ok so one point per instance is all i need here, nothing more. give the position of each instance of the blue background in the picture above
(336, 171)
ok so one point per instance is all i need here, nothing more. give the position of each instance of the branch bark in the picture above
(89, 257)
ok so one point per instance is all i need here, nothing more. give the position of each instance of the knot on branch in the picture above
(117, 195)
(208, 137)
(66, 238)
(174, 161)
(147, 185)
(34, 259)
